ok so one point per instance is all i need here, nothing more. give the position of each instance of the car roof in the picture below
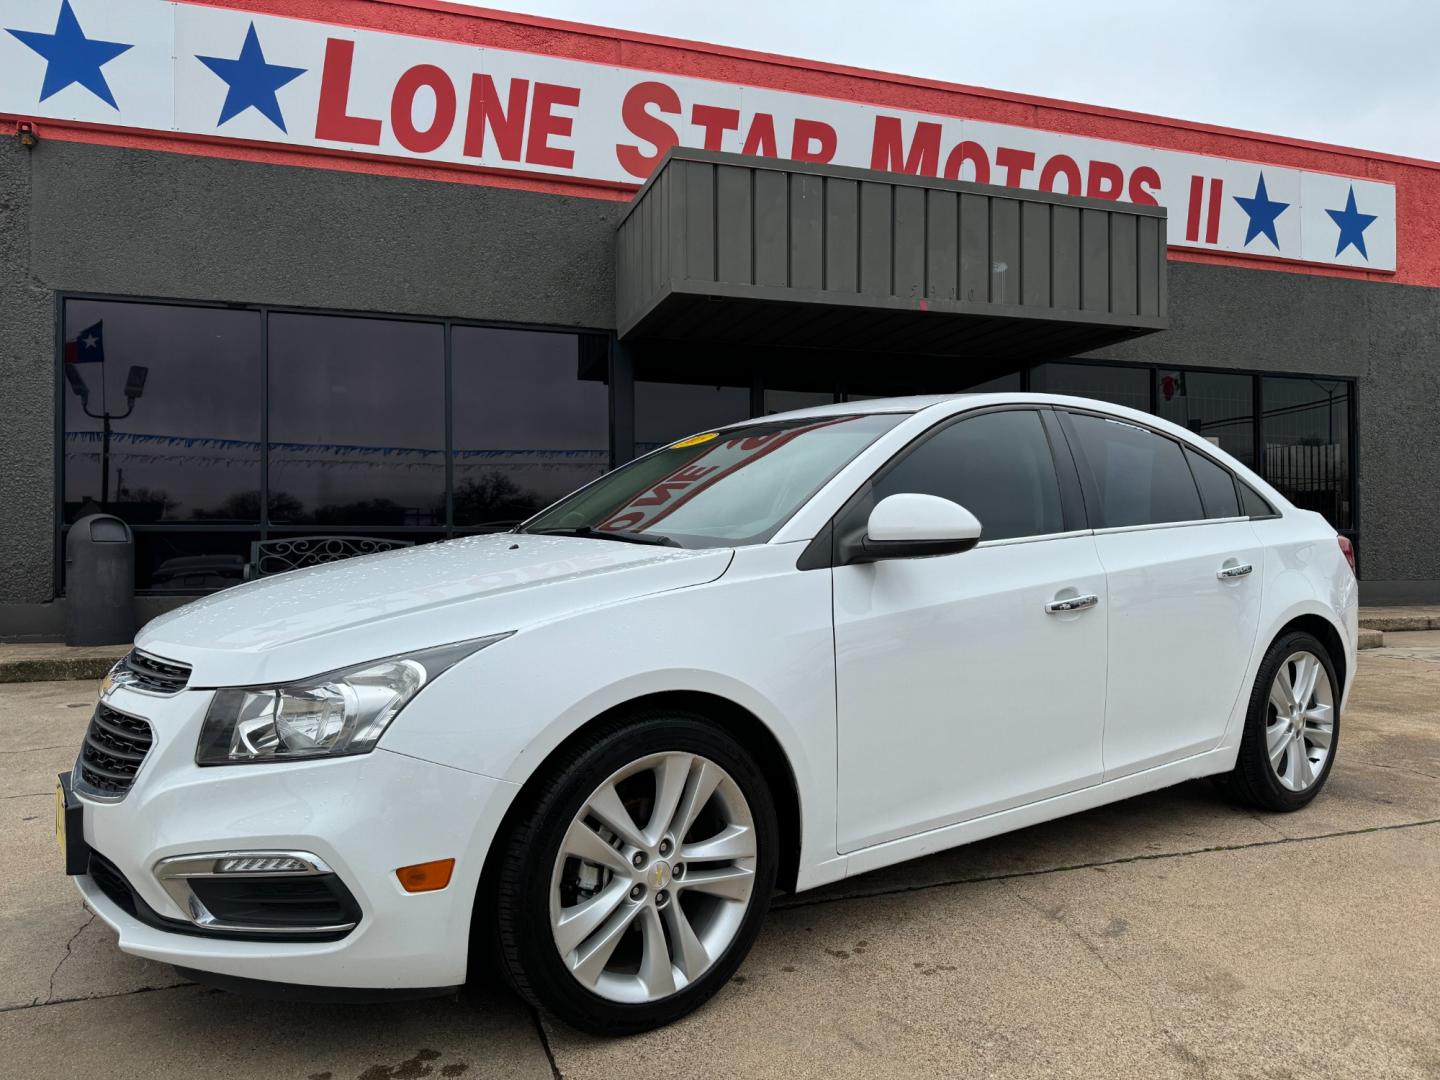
(954, 403)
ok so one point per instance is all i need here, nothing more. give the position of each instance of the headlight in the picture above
(344, 712)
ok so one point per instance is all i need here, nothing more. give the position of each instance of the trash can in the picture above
(99, 582)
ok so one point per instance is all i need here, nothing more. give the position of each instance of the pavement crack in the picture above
(92, 997)
(50, 993)
(1263, 821)
(1397, 768)
(1058, 917)
(37, 749)
(555, 1072)
(24, 795)
(977, 879)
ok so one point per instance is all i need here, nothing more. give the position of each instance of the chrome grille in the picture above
(115, 746)
(142, 671)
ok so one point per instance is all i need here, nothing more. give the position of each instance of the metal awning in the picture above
(753, 251)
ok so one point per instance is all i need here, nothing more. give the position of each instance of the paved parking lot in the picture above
(1168, 936)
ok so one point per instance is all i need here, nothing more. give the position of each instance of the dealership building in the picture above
(402, 270)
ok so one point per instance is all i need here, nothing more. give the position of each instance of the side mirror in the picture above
(910, 526)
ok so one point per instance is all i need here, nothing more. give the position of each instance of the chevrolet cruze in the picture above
(588, 750)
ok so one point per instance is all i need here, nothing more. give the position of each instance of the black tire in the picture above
(524, 945)
(1253, 780)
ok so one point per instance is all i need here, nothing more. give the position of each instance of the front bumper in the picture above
(364, 816)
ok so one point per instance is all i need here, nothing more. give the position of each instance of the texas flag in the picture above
(88, 346)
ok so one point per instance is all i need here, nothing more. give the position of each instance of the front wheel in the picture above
(1292, 729)
(637, 877)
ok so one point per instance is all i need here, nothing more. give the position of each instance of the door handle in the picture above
(1071, 603)
(1228, 573)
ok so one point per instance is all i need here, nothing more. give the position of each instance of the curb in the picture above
(57, 669)
(1371, 638)
(1400, 622)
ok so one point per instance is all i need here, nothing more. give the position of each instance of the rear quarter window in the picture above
(1217, 486)
(1254, 503)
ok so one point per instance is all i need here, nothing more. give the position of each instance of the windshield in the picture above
(716, 489)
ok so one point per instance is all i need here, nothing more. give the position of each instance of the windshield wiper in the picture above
(587, 533)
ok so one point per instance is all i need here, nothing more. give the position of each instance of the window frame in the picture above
(837, 541)
(1257, 378)
(265, 529)
(1188, 451)
(1079, 456)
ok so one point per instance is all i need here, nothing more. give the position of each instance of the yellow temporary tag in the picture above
(695, 440)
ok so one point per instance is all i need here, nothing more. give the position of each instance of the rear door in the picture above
(958, 693)
(1184, 571)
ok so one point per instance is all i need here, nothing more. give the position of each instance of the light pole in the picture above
(134, 390)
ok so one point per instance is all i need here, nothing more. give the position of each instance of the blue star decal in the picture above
(71, 57)
(1352, 225)
(1262, 211)
(252, 81)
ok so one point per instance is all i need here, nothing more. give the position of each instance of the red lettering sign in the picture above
(402, 109)
(332, 120)
(635, 112)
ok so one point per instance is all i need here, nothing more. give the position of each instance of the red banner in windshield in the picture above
(722, 458)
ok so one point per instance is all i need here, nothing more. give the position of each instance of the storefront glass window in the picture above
(531, 416)
(1306, 430)
(357, 421)
(779, 401)
(1218, 407)
(666, 411)
(1118, 385)
(1001, 384)
(181, 388)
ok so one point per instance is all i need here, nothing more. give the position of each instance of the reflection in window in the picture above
(1133, 476)
(1000, 384)
(1219, 408)
(1306, 429)
(1217, 486)
(997, 465)
(666, 411)
(782, 401)
(531, 416)
(190, 560)
(357, 421)
(1118, 385)
(181, 386)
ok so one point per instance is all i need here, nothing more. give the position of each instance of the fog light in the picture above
(261, 864)
(426, 876)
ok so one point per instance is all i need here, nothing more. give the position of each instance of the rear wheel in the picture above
(1292, 728)
(637, 879)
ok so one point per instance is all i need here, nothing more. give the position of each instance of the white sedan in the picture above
(770, 656)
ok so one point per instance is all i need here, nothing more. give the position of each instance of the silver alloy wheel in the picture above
(640, 911)
(1300, 723)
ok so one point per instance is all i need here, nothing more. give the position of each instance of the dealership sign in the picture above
(219, 73)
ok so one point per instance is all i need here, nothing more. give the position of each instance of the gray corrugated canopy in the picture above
(753, 251)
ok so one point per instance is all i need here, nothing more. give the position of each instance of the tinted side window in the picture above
(1217, 488)
(996, 465)
(1255, 504)
(1135, 476)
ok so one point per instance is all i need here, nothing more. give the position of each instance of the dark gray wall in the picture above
(27, 394)
(106, 220)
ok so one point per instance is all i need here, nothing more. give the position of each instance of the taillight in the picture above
(1348, 550)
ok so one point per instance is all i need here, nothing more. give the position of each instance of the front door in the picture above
(962, 689)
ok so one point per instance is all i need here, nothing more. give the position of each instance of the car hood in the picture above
(307, 622)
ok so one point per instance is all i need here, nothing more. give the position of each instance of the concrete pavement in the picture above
(1168, 936)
